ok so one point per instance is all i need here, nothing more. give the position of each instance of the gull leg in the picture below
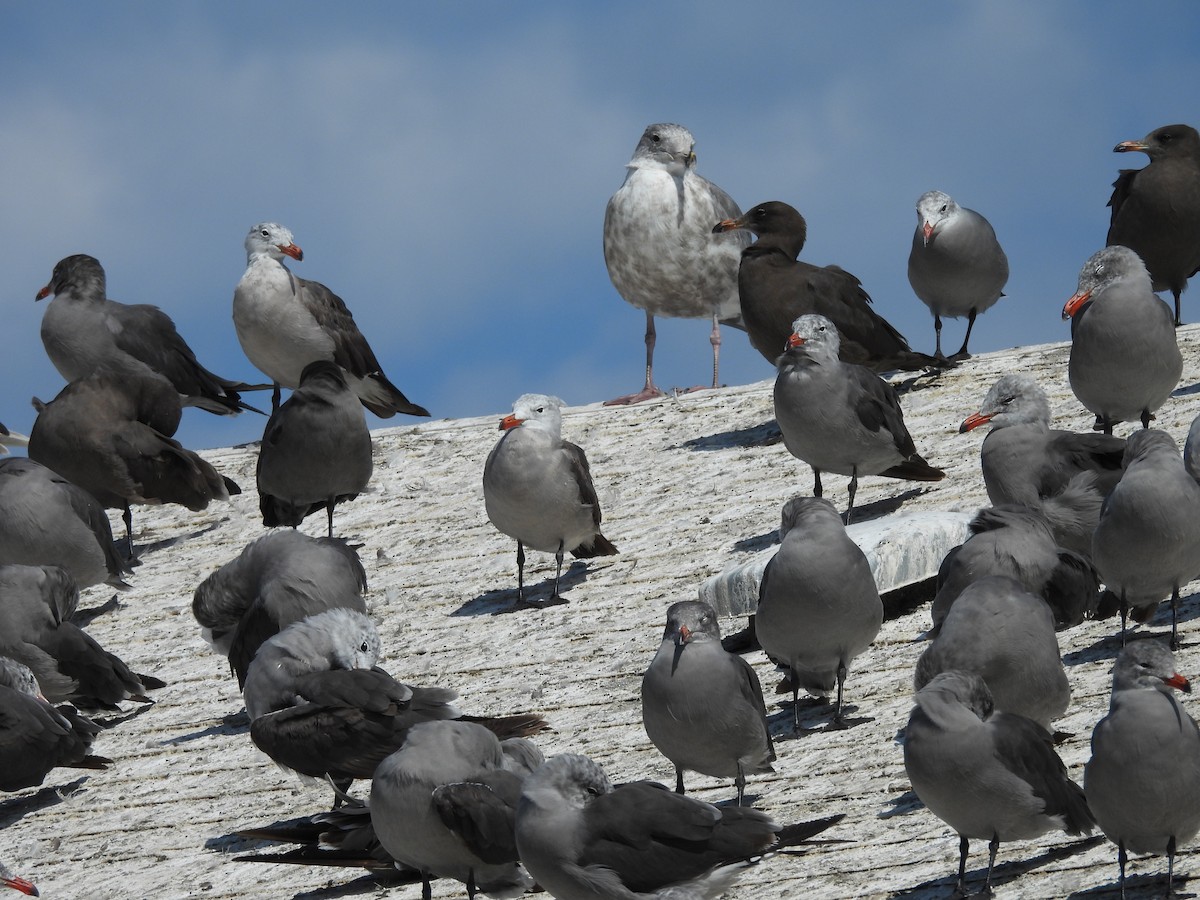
(962, 351)
(649, 391)
(963, 845)
(715, 340)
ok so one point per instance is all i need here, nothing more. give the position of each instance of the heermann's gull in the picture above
(776, 288)
(582, 838)
(47, 520)
(702, 706)
(11, 439)
(1026, 462)
(1004, 634)
(818, 606)
(841, 417)
(956, 266)
(658, 244)
(9, 880)
(34, 736)
(108, 432)
(316, 449)
(1156, 209)
(83, 329)
(283, 323)
(1017, 542)
(445, 803)
(281, 578)
(538, 489)
(1125, 361)
(992, 776)
(35, 629)
(1143, 780)
(318, 705)
(1147, 542)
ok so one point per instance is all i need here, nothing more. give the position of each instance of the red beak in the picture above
(685, 633)
(1178, 682)
(927, 231)
(974, 420)
(20, 884)
(510, 421)
(1076, 303)
(42, 294)
(291, 250)
(794, 341)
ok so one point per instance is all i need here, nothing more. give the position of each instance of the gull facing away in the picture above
(280, 578)
(582, 838)
(24, 885)
(658, 244)
(1125, 361)
(315, 451)
(82, 329)
(702, 706)
(1005, 635)
(1143, 780)
(776, 288)
(47, 520)
(991, 776)
(445, 804)
(818, 606)
(1147, 542)
(284, 322)
(537, 489)
(841, 417)
(1156, 209)
(956, 266)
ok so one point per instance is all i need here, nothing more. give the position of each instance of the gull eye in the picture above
(363, 647)
(265, 233)
(656, 137)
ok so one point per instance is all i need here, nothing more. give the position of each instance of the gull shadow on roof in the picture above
(235, 723)
(501, 602)
(16, 808)
(755, 436)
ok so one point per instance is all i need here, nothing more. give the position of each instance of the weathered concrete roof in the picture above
(690, 487)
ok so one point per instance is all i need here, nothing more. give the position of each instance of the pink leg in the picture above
(649, 392)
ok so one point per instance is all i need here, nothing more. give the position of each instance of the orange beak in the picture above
(974, 420)
(726, 225)
(927, 232)
(42, 294)
(685, 633)
(1130, 146)
(1076, 303)
(20, 884)
(510, 421)
(794, 341)
(1178, 682)
(292, 250)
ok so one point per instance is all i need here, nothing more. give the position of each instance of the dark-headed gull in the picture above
(841, 417)
(661, 253)
(1143, 780)
(776, 288)
(538, 489)
(956, 266)
(1156, 209)
(702, 706)
(284, 322)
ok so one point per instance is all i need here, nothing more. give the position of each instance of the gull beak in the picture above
(794, 341)
(685, 634)
(43, 293)
(1131, 146)
(1076, 303)
(927, 232)
(727, 225)
(20, 884)
(291, 250)
(510, 421)
(1178, 682)
(974, 420)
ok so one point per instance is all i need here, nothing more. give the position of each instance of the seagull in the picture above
(582, 838)
(445, 804)
(818, 606)
(35, 629)
(658, 243)
(280, 578)
(1147, 542)
(1156, 209)
(702, 706)
(841, 417)
(283, 323)
(11, 439)
(83, 329)
(776, 288)
(956, 266)
(47, 520)
(35, 737)
(1005, 635)
(109, 433)
(1143, 780)
(992, 776)
(1125, 361)
(316, 449)
(537, 489)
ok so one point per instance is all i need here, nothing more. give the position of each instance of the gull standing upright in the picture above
(956, 266)
(659, 247)
(992, 776)
(538, 489)
(1156, 209)
(315, 451)
(775, 288)
(841, 417)
(1147, 542)
(818, 605)
(82, 329)
(702, 706)
(284, 322)
(1143, 780)
(1125, 361)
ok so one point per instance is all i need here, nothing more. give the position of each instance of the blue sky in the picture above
(445, 167)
